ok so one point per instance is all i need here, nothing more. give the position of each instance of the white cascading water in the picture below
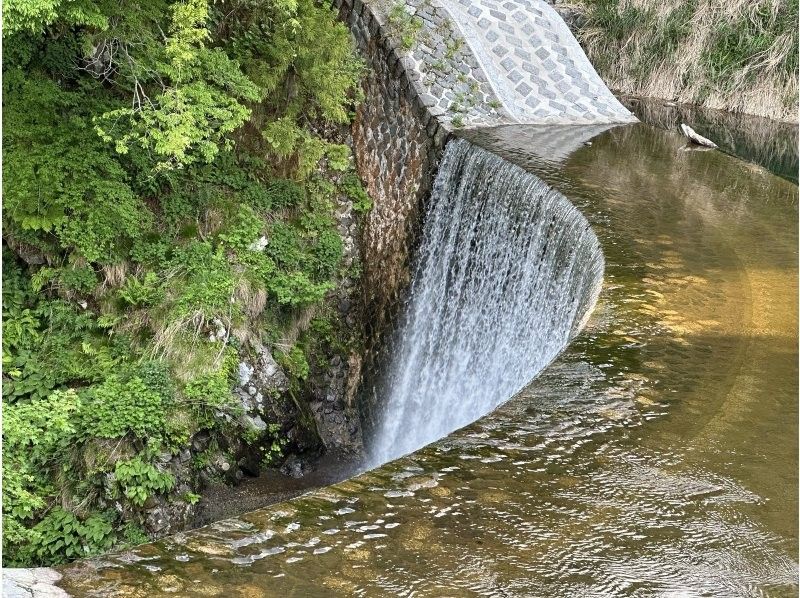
(508, 270)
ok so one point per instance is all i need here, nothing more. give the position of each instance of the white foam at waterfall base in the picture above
(506, 274)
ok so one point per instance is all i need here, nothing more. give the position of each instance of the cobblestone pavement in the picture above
(490, 62)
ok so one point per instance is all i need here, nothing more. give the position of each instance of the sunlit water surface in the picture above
(657, 456)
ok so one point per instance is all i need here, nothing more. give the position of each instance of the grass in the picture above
(404, 25)
(740, 55)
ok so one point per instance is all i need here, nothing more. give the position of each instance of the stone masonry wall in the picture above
(398, 142)
(438, 65)
(434, 66)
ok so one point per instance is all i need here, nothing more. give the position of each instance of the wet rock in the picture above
(293, 467)
(28, 253)
(250, 465)
(259, 244)
(200, 442)
(245, 373)
(269, 374)
(257, 423)
(37, 582)
(167, 516)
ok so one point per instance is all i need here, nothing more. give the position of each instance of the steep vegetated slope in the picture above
(738, 55)
(178, 239)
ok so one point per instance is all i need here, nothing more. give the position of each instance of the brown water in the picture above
(657, 456)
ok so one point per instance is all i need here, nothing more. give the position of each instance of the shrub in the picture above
(137, 164)
(37, 436)
(295, 363)
(142, 291)
(338, 157)
(116, 408)
(139, 480)
(285, 194)
(243, 229)
(61, 536)
(351, 185)
(295, 289)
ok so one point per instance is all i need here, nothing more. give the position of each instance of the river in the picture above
(656, 456)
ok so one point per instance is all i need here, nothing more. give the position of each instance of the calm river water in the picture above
(657, 456)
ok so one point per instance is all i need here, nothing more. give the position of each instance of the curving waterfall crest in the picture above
(507, 272)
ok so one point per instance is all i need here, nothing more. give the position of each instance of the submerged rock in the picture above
(293, 467)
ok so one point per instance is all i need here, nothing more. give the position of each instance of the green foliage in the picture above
(300, 55)
(295, 289)
(338, 157)
(50, 343)
(142, 291)
(59, 178)
(210, 395)
(36, 435)
(147, 146)
(744, 55)
(242, 229)
(286, 139)
(81, 279)
(617, 24)
(294, 362)
(210, 390)
(285, 194)
(139, 480)
(115, 408)
(750, 40)
(61, 536)
(208, 280)
(132, 534)
(192, 498)
(200, 103)
(404, 25)
(352, 187)
(35, 15)
(327, 253)
(273, 445)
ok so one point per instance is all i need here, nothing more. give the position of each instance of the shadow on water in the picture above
(657, 455)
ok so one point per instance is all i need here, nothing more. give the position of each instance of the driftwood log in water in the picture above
(694, 137)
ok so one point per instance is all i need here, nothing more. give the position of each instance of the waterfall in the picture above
(506, 274)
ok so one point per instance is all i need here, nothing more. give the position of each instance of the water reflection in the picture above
(656, 457)
(769, 143)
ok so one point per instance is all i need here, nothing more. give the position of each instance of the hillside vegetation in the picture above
(737, 55)
(168, 210)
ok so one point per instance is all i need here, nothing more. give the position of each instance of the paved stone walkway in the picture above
(535, 65)
(491, 62)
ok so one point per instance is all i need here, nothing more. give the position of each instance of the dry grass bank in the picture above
(736, 55)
